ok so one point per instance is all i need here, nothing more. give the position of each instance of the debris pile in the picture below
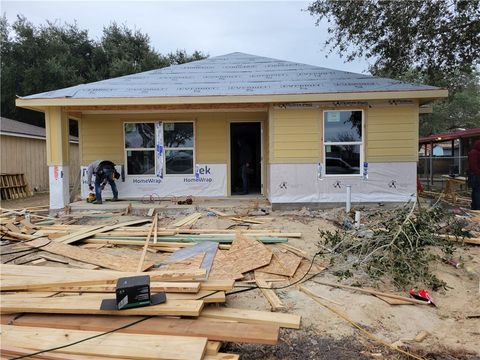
(196, 268)
(397, 244)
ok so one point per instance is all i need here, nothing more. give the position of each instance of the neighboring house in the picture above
(450, 150)
(23, 151)
(308, 131)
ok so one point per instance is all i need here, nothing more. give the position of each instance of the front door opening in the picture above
(246, 155)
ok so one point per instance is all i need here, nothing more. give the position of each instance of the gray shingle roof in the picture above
(233, 74)
(18, 128)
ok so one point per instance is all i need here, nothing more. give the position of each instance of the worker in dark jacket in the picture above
(474, 174)
(104, 171)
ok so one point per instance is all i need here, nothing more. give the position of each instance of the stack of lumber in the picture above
(14, 186)
(61, 307)
(61, 304)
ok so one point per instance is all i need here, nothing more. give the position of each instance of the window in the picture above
(178, 145)
(178, 141)
(140, 148)
(343, 142)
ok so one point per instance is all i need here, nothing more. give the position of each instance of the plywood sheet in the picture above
(283, 263)
(244, 255)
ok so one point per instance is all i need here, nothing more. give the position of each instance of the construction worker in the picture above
(474, 174)
(104, 171)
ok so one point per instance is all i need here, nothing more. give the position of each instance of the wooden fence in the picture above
(20, 155)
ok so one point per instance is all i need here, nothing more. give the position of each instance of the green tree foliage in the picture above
(52, 56)
(433, 42)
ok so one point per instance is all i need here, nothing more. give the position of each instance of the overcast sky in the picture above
(282, 30)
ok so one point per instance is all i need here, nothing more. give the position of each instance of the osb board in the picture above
(303, 269)
(283, 263)
(259, 274)
(222, 268)
(244, 255)
(193, 262)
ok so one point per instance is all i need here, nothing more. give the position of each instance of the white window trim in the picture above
(125, 149)
(164, 148)
(179, 148)
(361, 143)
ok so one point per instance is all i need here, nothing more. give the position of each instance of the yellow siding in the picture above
(296, 135)
(392, 134)
(102, 135)
(211, 139)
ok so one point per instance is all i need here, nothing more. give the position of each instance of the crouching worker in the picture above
(104, 172)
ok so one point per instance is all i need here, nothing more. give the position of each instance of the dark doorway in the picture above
(245, 147)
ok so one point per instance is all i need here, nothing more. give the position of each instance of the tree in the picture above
(41, 58)
(431, 42)
(127, 51)
(426, 35)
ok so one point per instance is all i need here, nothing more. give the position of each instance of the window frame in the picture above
(337, 143)
(179, 148)
(125, 149)
(164, 148)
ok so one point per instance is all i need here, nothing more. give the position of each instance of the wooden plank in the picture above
(211, 284)
(373, 292)
(222, 356)
(471, 241)
(213, 347)
(91, 305)
(187, 219)
(315, 295)
(114, 262)
(115, 344)
(171, 287)
(145, 247)
(16, 351)
(214, 330)
(15, 277)
(391, 301)
(275, 303)
(249, 221)
(83, 235)
(253, 316)
(79, 233)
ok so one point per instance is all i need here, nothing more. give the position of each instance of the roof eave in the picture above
(423, 95)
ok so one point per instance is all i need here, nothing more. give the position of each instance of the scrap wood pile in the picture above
(197, 268)
(398, 245)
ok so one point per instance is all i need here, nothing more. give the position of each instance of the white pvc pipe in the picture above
(357, 219)
(349, 198)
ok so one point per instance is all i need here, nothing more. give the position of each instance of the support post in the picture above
(57, 134)
(431, 165)
(460, 156)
